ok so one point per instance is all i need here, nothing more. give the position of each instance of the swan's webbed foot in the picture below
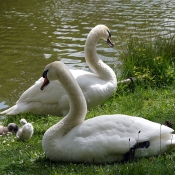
(130, 154)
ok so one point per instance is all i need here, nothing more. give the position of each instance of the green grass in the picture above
(146, 98)
(28, 158)
(152, 62)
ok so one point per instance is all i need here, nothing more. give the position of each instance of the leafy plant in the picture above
(152, 62)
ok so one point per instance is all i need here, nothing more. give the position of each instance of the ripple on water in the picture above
(35, 33)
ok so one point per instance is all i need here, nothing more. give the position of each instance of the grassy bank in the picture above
(152, 96)
(153, 62)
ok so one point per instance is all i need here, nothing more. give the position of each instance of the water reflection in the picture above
(35, 33)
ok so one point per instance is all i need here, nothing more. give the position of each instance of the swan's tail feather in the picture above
(171, 142)
(10, 111)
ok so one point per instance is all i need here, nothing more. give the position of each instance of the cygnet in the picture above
(12, 127)
(26, 131)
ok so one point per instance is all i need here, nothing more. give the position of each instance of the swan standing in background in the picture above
(26, 131)
(102, 139)
(97, 87)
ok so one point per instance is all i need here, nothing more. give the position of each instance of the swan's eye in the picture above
(45, 74)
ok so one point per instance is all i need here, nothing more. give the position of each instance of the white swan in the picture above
(26, 131)
(102, 139)
(96, 87)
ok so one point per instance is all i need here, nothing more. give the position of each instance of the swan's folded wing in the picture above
(94, 89)
(51, 94)
(115, 134)
(54, 91)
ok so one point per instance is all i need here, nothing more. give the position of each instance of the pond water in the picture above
(36, 32)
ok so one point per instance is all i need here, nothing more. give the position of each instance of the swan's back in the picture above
(107, 138)
(54, 100)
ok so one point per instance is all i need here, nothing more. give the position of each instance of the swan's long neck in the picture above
(78, 107)
(98, 66)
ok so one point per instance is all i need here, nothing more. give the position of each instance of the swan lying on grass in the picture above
(102, 139)
(96, 87)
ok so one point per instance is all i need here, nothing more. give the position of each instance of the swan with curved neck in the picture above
(96, 87)
(102, 139)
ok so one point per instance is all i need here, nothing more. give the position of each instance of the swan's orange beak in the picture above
(109, 42)
(45, 83)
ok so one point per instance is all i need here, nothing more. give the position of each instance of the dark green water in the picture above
(36, 32)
